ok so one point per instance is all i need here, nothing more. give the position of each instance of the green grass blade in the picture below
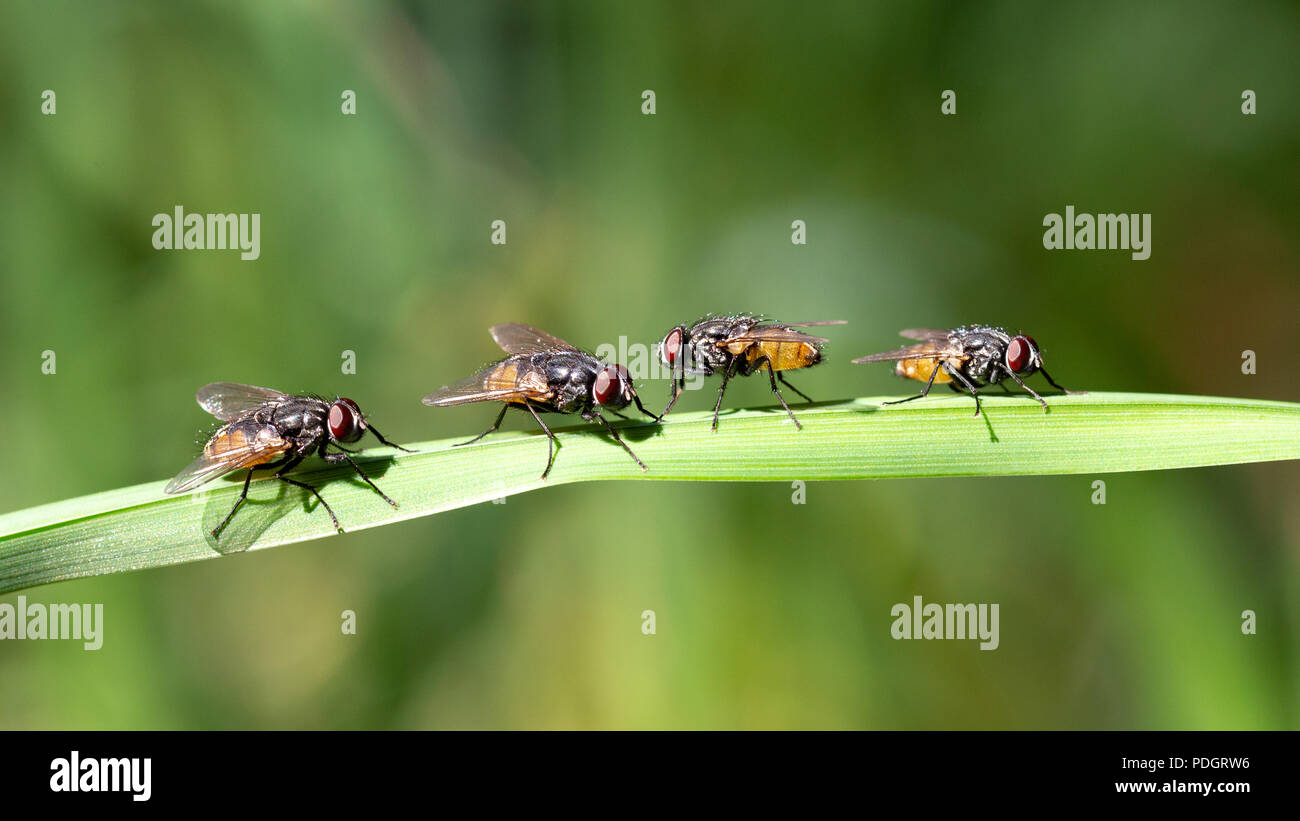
(139, 527)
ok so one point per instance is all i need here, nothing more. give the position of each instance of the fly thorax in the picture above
(981, 365)
(267, 436)
(573, 389)
(707, 357)
(572, 399)
(308, 419)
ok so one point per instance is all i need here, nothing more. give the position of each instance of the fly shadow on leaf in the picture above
(270, 500)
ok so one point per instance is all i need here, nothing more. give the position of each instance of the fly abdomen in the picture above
(921, 369)
(245, 437)
(784, 356)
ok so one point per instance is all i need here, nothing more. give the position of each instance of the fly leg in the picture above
(726, 374)
(334, 458)
(287, 460)
(641, 408)
(550, 444)
(216, 531)
(382, 440)
(495, 425)
(924, 391)
(279, 474)
(613, 432)
(315, 493)
(961, 379)
(676, 386)
(1022, 384)
(771, 375)
(781, 376)
(1052, 382)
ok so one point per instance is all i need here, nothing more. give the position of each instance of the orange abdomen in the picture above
(504, 377)
(784, 356)
(237, 437)
(920, 370)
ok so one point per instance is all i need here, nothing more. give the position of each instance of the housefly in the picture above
(268, 429)
(740, 345)
(966, 358)
(545, 374)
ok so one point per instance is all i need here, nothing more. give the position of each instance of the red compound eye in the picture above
(345, 420)
(608, 387)
(672, 346)
(1020, 353)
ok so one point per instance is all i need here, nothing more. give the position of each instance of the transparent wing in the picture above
(771, 333)
(515, 338)
(815, 324)
(228, 400)
(925, 351)
(925, 334)
(234, 451)
(498, 382)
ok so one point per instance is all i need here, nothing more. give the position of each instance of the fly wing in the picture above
(228, 400)
(771, 333)
(231, 448)
(925, 350)
(925, 334)
(515, 338)
(815, 324)
(502, 381)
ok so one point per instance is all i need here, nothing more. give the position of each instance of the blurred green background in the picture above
(375, 238)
